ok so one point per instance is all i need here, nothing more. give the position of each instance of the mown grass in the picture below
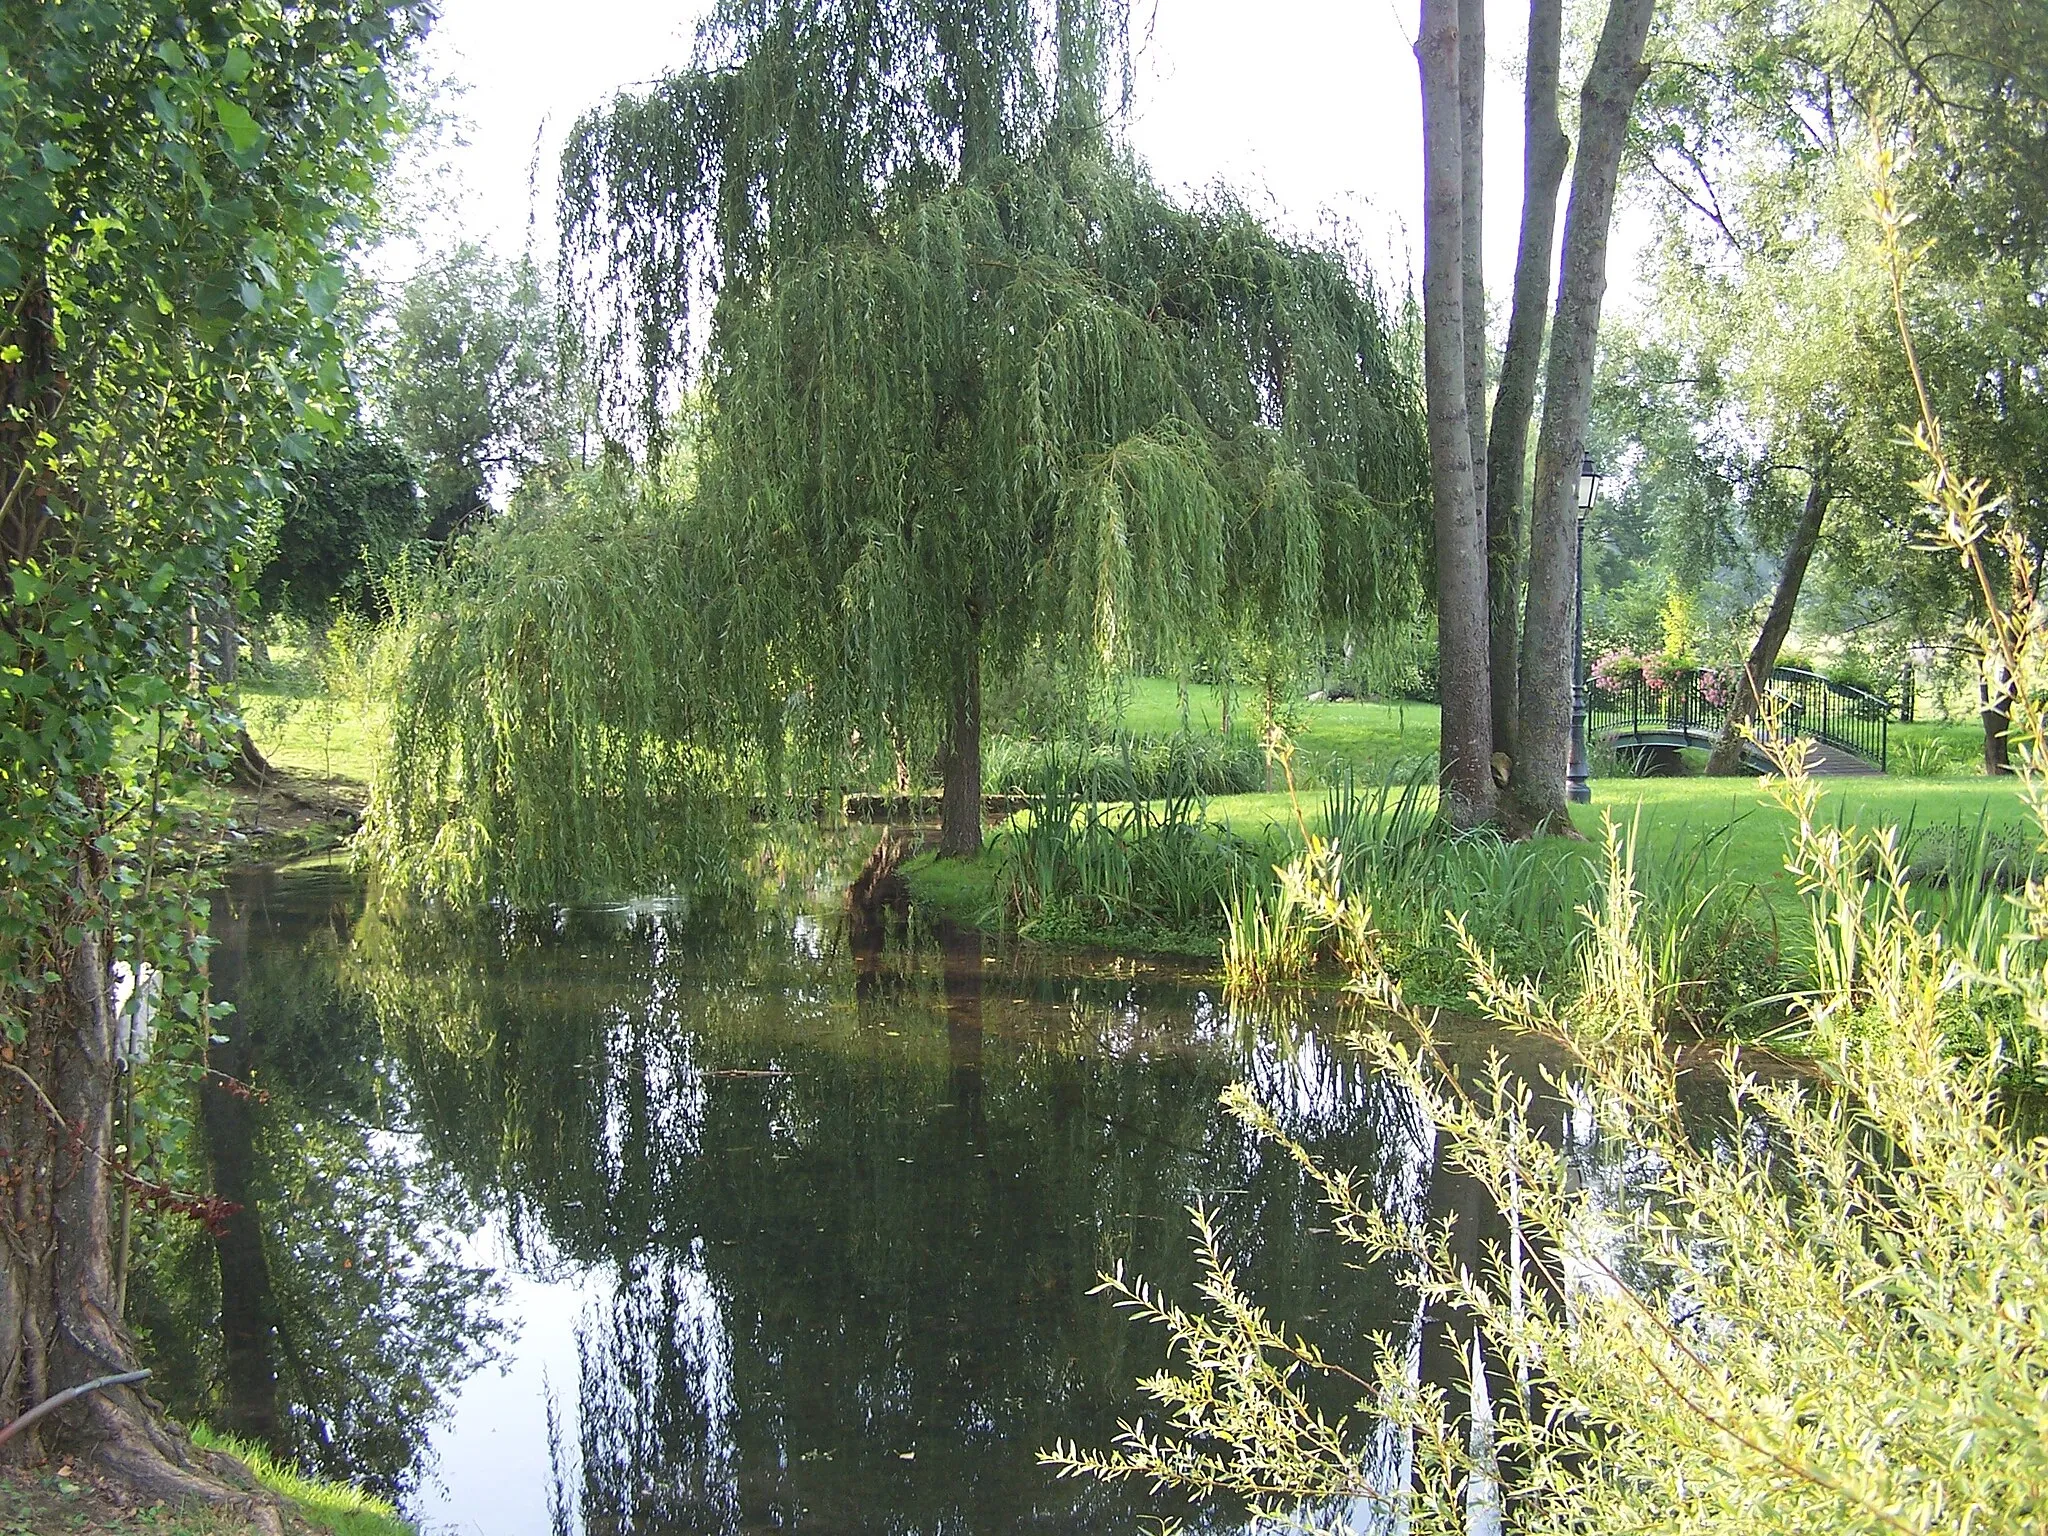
(306, 718)
(1710, 853)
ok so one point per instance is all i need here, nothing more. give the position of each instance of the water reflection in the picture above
(336, 1310)
(800, 1232)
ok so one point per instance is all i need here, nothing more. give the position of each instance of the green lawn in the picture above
(1375, 738)
(302, 725)
(1666, 815)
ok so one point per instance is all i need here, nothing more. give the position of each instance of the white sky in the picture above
(1307, 107)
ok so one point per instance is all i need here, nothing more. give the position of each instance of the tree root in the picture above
(1521, 825)
(150, 1462)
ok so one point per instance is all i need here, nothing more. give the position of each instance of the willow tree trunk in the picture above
(1465, 740)
(960, 759)
(1726, 759)
(1545, 150)
(1536, 782)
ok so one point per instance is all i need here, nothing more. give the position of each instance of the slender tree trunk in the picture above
(1544, 153)
(1997, 717)
(1763, 656)
(960, 758)
(1536, 786)
(1465, 741)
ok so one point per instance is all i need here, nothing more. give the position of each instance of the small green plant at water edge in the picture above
(1715, 944)
(1074, 865)
(335, 1507)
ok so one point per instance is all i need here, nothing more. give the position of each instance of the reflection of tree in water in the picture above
(854, 1219)
(335, 1314)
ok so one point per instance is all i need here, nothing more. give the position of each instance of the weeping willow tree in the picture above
(955, 383)
(971, 383)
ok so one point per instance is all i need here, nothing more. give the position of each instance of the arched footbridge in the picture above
(1847, 729)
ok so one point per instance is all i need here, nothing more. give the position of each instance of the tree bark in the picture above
(1726, 760)
(960, 758)
(1465, 741)
(1544, 153)
(58, 1321)
(1997, 717)
(1536, 782)
(1472, 203)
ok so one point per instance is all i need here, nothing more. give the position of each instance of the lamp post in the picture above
(1576, 789)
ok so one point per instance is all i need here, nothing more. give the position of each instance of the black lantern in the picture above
(1589, 483)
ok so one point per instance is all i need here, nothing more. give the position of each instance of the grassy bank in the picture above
(1735, 812)
(48, 1501)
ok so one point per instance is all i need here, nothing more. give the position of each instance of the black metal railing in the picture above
(1797, 703)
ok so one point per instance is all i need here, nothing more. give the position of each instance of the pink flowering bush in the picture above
(1660, 673)
(1715, 686)
(1614, 671)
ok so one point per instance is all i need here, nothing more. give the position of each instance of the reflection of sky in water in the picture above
(784, 1252)
(488, 1473)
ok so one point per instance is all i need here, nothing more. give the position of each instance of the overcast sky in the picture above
(1308, 107)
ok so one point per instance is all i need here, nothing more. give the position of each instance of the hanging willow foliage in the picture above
(963, 384)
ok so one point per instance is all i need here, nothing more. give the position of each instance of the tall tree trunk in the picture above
(1465, 740)
(60, 1320)
(1545, 150)
(960, 758)
(1472, 201)
(1536, 787)
(1763, 656)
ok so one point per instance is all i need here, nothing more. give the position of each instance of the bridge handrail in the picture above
(1854, 719)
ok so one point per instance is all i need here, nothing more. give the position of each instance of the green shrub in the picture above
(1858, 1347)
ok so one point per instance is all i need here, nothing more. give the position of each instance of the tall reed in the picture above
(1075, 863)
(1382, 847)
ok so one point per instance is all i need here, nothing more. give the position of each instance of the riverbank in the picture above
(64, 1500)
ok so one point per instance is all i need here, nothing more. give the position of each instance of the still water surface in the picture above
(651, 1221)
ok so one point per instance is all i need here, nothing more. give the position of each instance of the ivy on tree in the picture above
(175, 180)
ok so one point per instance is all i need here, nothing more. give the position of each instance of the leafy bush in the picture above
(1857, 1348)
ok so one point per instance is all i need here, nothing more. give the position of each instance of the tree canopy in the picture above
(955, 381)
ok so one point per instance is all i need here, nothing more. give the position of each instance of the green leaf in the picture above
(237, 124)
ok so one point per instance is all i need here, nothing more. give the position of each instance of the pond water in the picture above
(657, 1221)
